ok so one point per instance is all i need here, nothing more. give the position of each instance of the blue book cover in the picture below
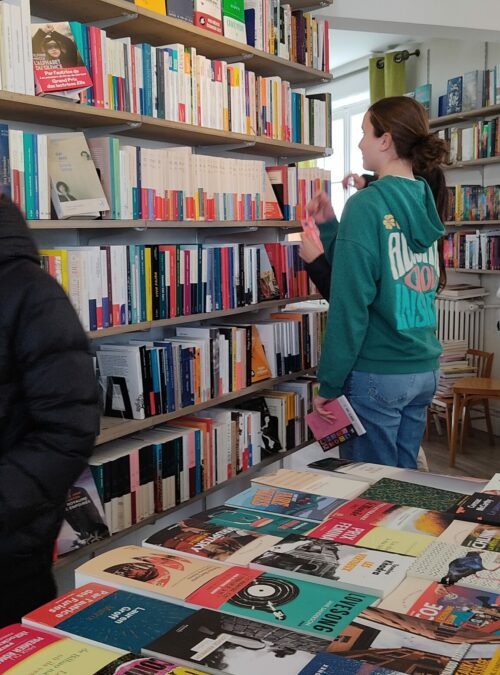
(454, 95)
(104, 615)
(290, 503)
(333, 664)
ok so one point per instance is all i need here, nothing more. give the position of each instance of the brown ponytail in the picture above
(407, 122)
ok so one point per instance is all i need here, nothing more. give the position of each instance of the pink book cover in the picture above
(332, 433)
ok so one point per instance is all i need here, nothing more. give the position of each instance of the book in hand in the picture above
(472, 535)
(403, 493)
(84, 519)
(478, 507)
(332, 433)
(449, 606)
(265, 523)
(219, 643)
(338, 565)
(102, 615)
(75, 186)
(452, 564)
(290, 503)
(57, 64)
(219, 543)
(27, 650)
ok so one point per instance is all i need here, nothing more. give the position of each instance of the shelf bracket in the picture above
(226, 147)
(311, 83)
(93, 132)
(114, 20)
(237, 59)
(302, 158)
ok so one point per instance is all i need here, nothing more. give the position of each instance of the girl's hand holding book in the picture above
(319, 404)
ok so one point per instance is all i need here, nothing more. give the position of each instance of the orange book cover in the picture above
(260, 365)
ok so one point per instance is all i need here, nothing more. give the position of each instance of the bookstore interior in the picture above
(163, 153)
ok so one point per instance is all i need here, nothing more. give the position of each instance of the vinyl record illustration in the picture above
(266, 594)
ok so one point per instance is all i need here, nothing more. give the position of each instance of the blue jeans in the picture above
(393, 410)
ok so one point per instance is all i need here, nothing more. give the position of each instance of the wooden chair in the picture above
(442, 407)
(470, 391)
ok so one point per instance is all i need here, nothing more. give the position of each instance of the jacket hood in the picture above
(412, 205)
(16, 240)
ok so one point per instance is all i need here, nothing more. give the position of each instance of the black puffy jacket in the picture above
(49, 413)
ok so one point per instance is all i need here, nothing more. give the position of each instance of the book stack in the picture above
(454, 365)
(350, 568)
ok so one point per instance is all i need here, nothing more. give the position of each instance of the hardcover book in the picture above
(265, 523)
(220, 643)
(454, 95)
(218, 543)
(102, 615)
(451, 564)
(409, 494)
(385, 514)
(455, 606)
(338, 565)
(332, 433)
(315, 483)
(478, 507)
(472, 535)
(290, 503)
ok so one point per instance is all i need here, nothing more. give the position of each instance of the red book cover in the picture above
(343, 531)
(96, 65)
(225, 284)
(344, 425)
(223, 587)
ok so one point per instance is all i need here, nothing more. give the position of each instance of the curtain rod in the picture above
(398, 57)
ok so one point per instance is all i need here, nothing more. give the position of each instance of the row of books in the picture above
(146, 378)
(475, 89)
(479, 141)
(127, 284)
(473, 202)
(479, 250)
(265, 24)
(341, 569)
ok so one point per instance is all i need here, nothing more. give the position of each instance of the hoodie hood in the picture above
(16, 240)
(412, 204)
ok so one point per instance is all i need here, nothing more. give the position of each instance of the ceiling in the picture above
(347, 45)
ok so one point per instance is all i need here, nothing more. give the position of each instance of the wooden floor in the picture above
(479, 459)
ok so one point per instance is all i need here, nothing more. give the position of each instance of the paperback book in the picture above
(265, 523)
(478, 507)
(290, 503)
(219, 643)
(338, 565)
(224, 544)
(334, 664)
(332, 433)
(472, 535)
(409, 494)
(455, 606)
(451, 564)
(314, 483)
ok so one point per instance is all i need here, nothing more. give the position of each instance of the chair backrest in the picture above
(482, 361)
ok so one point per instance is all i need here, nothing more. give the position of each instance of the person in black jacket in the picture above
(49, 416)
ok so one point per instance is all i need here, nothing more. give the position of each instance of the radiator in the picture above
(461, 320)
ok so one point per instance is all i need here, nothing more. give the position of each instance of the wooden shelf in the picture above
(191, 318)
(93, 549)
(157, 29)
(485, 161)
(457, 118)
(113, 428)
(77, 224)
(481, 223)
(461, 271)
(37, 110)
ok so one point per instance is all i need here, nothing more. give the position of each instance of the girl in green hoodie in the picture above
(380, 347)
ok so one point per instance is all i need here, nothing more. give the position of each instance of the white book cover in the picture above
(477, 536)
(122, 363)
(493, 485)
(315, 483)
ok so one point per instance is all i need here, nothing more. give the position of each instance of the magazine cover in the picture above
(302, 505)
(384, 514)
(409, 494)
(326, 562)
(84, 519)
(223, 544)
(266, 523)
(75, 185)
(220, 643)
(297, 604)
(57, 63)
(332, 433)
(455, 606)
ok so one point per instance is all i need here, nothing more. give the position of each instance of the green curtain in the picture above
(394, 76)
(377, 87)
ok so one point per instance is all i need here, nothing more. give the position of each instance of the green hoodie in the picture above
(385, 272)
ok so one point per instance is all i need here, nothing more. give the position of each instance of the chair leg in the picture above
(448, 424)
(487, 417)
(457, 413)
(465, 425)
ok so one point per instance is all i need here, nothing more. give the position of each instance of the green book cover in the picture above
(298, 605)
(233, 12)
(267, 523)
(408, 494)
